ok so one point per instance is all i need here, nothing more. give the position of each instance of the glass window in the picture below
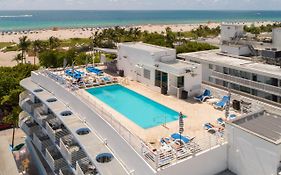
(180, 82)
(157, 78)
(210, 66)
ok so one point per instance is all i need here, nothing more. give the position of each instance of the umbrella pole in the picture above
(13, 138)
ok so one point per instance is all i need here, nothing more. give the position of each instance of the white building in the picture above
(255, 144)
(241, 73)
(231, 43)
(276, 38)
(158, 68)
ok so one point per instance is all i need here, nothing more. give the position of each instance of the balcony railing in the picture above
(54, 158)
(42, 117)
(71, 150)
(29, 127)
(248, 83)
(41, 141)
(65, 171)
(56, 130)
(85, 167)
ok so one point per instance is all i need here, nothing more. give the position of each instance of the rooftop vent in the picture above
(38, 90)
(66, 113)
(83, 131)
(104, 158)
(51, 100)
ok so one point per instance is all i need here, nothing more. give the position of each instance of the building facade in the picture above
(239, 73)
(158, 68)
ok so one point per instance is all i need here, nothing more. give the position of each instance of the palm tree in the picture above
(54, 42)
(37, 47)
(23, 46)
(17, 58)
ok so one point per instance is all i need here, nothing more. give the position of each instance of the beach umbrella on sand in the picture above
(181, 124)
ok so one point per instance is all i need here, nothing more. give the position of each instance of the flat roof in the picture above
(263, 124)
(214, 56)
(146, 47)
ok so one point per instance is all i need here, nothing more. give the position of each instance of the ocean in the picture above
(30, 20)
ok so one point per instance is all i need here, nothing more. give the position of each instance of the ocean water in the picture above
(143, 111)
(23, 20)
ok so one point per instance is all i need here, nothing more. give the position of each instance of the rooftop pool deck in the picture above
(143, 111)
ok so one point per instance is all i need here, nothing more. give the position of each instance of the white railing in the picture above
(41, 141)
(85, 166)
(248, 83)
(57, 133)
(71, 150)
(172, 154)
(54, 158)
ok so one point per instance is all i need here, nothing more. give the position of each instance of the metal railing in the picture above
(71, 150)
(248, 83)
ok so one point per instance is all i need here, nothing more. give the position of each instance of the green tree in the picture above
(37, 47)
(54, 42)
(23, 45)
(17, 58)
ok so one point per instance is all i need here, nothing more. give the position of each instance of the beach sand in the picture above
(5, 58)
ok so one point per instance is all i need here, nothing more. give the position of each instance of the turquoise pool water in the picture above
(143, 111)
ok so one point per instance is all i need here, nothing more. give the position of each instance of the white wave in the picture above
(16, 16)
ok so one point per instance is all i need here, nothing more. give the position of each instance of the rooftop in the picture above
(243, 63)
(146, 47)
(263, 124)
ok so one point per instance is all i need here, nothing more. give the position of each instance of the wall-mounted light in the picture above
(156, 65)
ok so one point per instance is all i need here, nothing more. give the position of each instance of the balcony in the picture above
(26, 103)
(248, 83)
(28, 126)
(56, 130)
(42, 117)
(71, 150)
(85, 166)
(66, 171)
(54, 158)
(41, 141)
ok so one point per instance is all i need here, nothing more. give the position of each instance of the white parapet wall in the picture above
(209, 162)
(249, 154)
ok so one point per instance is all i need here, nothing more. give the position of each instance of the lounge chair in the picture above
(206, 95)
(208, 126)
(231, 117)
(107, 80)
(221, 122)
(221, 104)
(94, 70)
(183, 139)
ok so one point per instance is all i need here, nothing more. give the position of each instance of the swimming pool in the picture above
(143, 111)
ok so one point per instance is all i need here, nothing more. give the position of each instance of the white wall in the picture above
(235, 50)
(207, 163)
(249, 154)
(228, 31)
(192, 84)
(276, 38)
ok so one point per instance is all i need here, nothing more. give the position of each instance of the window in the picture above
(146, 73)
(180, 82)
(157, 78)
(210, 66)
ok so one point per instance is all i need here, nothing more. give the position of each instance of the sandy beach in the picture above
(5, 58)
(87, 32)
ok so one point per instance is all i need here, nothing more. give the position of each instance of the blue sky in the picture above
(141, 4)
